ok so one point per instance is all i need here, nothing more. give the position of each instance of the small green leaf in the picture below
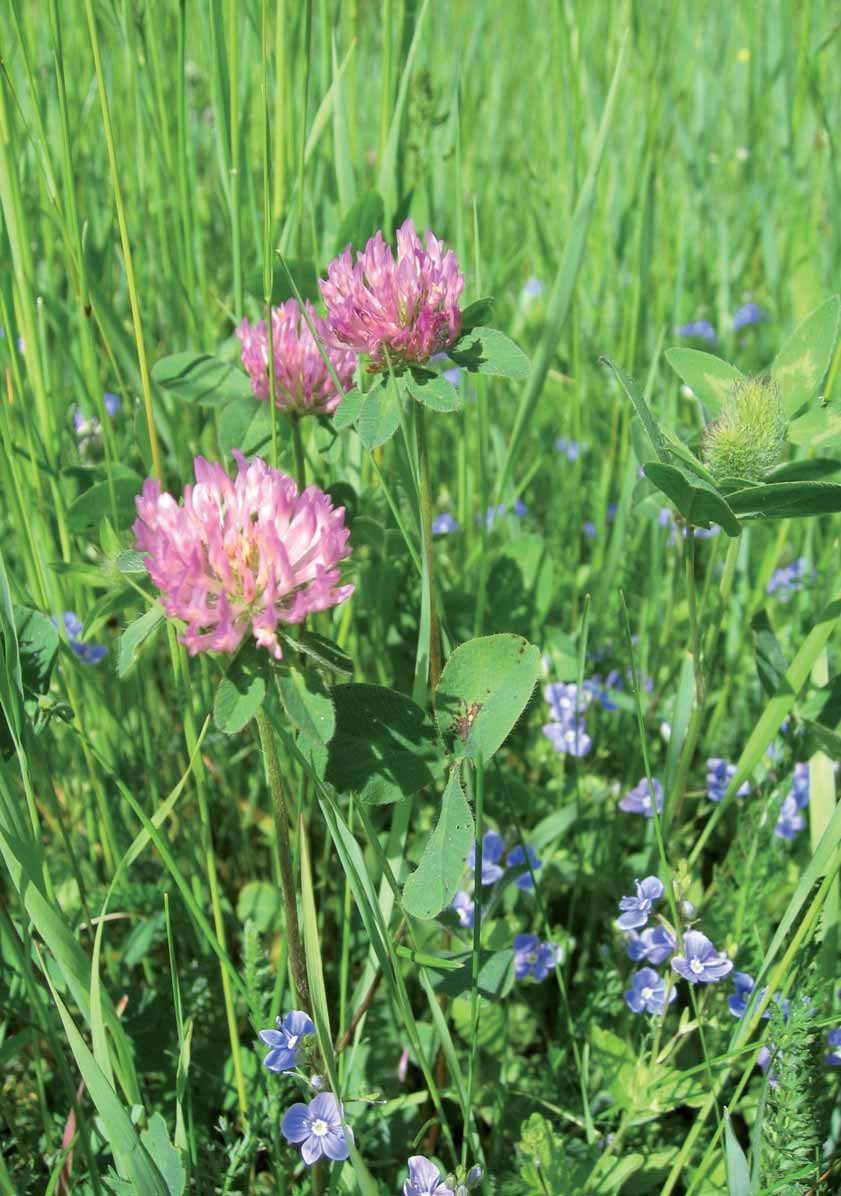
(360, 222)
(699, 503)
(384, 748)
(38, 642)
(130, 561)
(201, 379)
(803, 471)
(242, 690)
(483, 690)
(476, 314)
(787, 500)
(245, 424)
(650, 425)
(167, 1159)
(135, 636)
(307, 704)
(323, 651)
(379, 418)
(771, 664)
(821, 711)
(260, 902)
(819, 427)
(494, 982)
(432, 885)
(433, 390)
(86, 511)
(711, 378)
(801, 364)
(348, 410)
(488, 351)
(738, 1173)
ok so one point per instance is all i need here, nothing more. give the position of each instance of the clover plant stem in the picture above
(300, 455)
(477, 939)
(425, 496)
(280, 813)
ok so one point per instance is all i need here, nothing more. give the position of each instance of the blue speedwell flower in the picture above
(744, 985)
(719, 776)
(87, 653)
(517, 859)
(533, 958)
(567, 731)
(286, 1040)
(648, 992)
(570, 449)
(699, 329)
(834, 1040)
(800, 785)
(747, 314)
(465, 908)
(424, 1179)
(493, 848)
(638, 801)
(788, 580)
(443, 523)
(532, 287)
(317, 1128)
(701, 963)
(637, 910)
(654, 945)
(790, 820)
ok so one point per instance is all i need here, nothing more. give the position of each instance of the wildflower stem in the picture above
(425, 495)
(280, 812)
(477, 945)
(300, 455)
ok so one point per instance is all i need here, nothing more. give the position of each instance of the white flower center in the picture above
(696, 967)
(319, 1127)
(647, 993)
(531, 957)
(292, 1041)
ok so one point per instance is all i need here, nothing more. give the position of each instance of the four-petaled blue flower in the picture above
(87, 653)
(493, 847)
(517, 859)
(285, 1040)
(569, 738)
(788, 580)
(533, 958)
(701, 963)
(443, 523)
(589, 529)
(790, 820)
(638, 801)
(465, 907)
(719, 776)
(747, 314)
(648, 992)
(654, 945)
(700, 329)
(424, 1179)
(834, 1040)
(317, 1128)
(532, 287)
(571, 449)
(637, 910)
(800, 784)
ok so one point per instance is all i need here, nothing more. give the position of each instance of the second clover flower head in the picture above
(638, 800)
(424, 1179)
(637, 910)
(317, 1128)
(242, 554)
(303, 384)
(401, 311)
(285, 1041)
(701, 963)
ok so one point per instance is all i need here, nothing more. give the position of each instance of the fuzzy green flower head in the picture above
(748, 438)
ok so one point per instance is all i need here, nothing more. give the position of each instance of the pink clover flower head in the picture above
(303, 385)
(242, 553)
(402, 311)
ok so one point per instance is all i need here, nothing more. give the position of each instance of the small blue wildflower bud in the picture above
(317, 1082)
(748, 437)
(474, 1176)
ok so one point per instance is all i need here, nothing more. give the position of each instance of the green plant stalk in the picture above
(124, 240)
(425, 503)
(212, 877)
(236, 218)
(475, 960)
(280, 812)
(300, 455)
